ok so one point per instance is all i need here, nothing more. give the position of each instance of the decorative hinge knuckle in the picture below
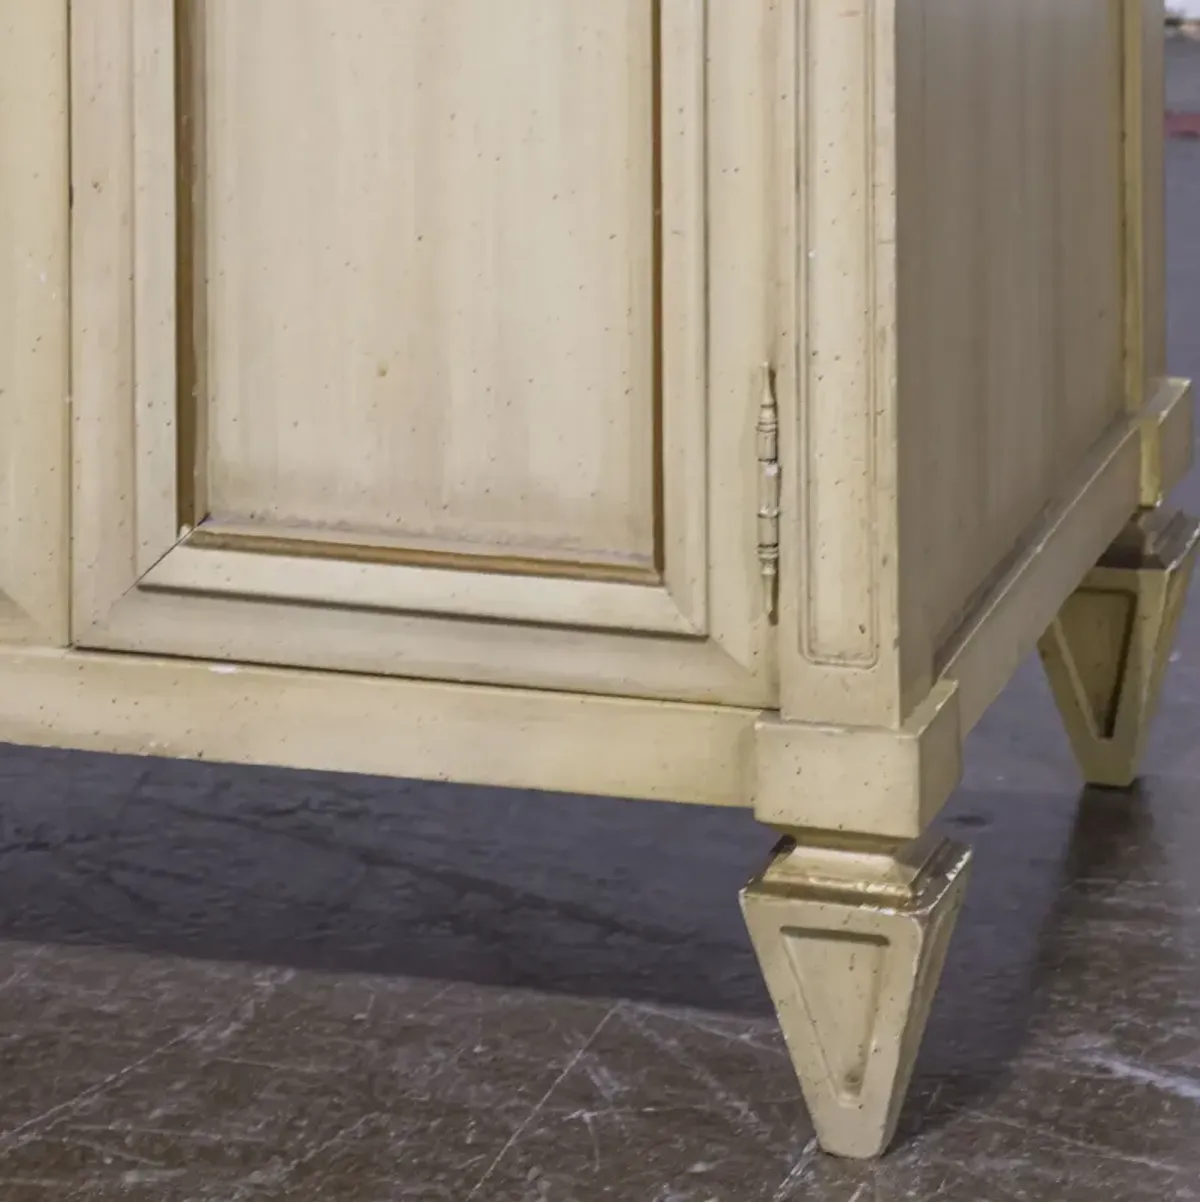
(767, 431)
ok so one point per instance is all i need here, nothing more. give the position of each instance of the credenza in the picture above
(699, 400)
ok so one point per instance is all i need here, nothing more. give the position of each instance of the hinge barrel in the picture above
(767, 439)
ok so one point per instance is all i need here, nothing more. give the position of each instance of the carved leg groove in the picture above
(851, 939)
(1106, 651)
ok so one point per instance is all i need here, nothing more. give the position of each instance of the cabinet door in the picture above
(399, 340)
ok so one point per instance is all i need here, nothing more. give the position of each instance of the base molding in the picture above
(329, 721)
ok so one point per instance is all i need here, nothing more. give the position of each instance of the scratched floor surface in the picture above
(223, 985)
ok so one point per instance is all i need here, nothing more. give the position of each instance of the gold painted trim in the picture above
(1132, 197)
(1107, 650)
(190, 293)
(851, 945)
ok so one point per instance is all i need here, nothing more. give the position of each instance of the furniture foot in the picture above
(851, 936)
(1106, 651)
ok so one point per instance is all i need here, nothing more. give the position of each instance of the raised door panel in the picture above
(393, 340)
(464, 357)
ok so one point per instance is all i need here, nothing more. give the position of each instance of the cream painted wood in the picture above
(34, 398)
(245, 714)
(329, 581)
(937, 225)
(149, 175)
(842, 658)
(388, 533)
(466, 352)
(890, 786)
(955, 346)
(1015, 111)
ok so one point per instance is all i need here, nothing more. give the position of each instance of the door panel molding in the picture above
(377, 642)
(314, 580)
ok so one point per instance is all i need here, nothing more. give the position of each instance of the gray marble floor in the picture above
(222, 985)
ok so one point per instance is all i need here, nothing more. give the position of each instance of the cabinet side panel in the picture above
(34, 377)
(1010, 280)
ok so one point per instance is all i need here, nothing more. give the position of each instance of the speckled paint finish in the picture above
(237, 985)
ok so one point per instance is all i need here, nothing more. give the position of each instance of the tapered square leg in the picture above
(851, 940)
(1106, 651)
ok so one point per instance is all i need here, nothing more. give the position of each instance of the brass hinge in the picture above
(767, 430)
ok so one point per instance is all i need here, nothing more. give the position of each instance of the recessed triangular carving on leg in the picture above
(838, 976)
(1095, 629)
(852, 976)
(1106, 651)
